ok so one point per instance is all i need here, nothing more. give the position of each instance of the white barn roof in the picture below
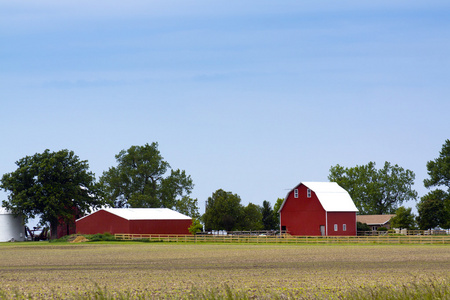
(145, 213)
(332, 196)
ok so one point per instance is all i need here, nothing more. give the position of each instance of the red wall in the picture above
(179, 227)
(340, 218)
(302, 215)
(103, 221)
(67, 227)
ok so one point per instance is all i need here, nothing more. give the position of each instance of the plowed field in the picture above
(166, 270)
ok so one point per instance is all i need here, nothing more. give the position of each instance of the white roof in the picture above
(332, 196)
(145, 213)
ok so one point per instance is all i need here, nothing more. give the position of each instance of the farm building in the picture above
(67, 227)
(376, 221)
(134, 221)
(318, 208)
(11, 227)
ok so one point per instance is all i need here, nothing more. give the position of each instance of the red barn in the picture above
(135, 221)
(67, 227)
(318, 208)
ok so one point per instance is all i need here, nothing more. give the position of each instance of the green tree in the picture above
(403, 219)
(375, 191)
(439, 169)
(223, 211)
(434, 207)
(141, 179)
(252, 217)
(434, 210)
(188, 206)
(276, 209)
(196, 226)
(51, 186)
(269, 219)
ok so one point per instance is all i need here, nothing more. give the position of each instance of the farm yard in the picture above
(152, 270)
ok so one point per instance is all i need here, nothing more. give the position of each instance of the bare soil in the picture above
(170, 269)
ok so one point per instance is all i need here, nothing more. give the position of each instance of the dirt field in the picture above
(171, 269)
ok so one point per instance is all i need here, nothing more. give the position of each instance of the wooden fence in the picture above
(405, 232)
(387, 239)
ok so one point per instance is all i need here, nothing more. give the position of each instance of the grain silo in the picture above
(11, 227)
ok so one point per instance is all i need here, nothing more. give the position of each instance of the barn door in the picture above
(322, 230)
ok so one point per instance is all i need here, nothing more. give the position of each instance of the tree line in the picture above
(52, 185)
(225, 211)
(383, 191)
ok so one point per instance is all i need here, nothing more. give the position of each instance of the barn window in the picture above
(344, 227)
(296, 193)
(308, 193)
(335, 227)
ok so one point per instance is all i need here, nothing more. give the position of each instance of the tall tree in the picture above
(269, 219)
(223, 211)
(434, 207)
(439, 169)
(51, 185)
(434, 210)
(141, 179)
(375, 191)
(403, 219)
(252, 217)
(276, 209)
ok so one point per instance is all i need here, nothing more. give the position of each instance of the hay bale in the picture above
(79, 239)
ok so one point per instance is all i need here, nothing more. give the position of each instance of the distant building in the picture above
(318, 208)
(376, 221)
(135, 221)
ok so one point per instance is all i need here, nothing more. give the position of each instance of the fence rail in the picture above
(406, 232)
(399, 239)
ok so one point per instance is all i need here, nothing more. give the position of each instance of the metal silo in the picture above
(11, 227)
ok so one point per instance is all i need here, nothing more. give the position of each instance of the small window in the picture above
(335, 227)
(344, 227)
(296, 193)
(308, 193)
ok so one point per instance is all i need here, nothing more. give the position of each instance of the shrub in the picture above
(362, 227)
(98, 237)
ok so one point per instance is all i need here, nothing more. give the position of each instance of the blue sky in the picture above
(249, 96)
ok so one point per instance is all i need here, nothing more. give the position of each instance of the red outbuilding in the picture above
(67, 227)
(318, 208)
(135, 221)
